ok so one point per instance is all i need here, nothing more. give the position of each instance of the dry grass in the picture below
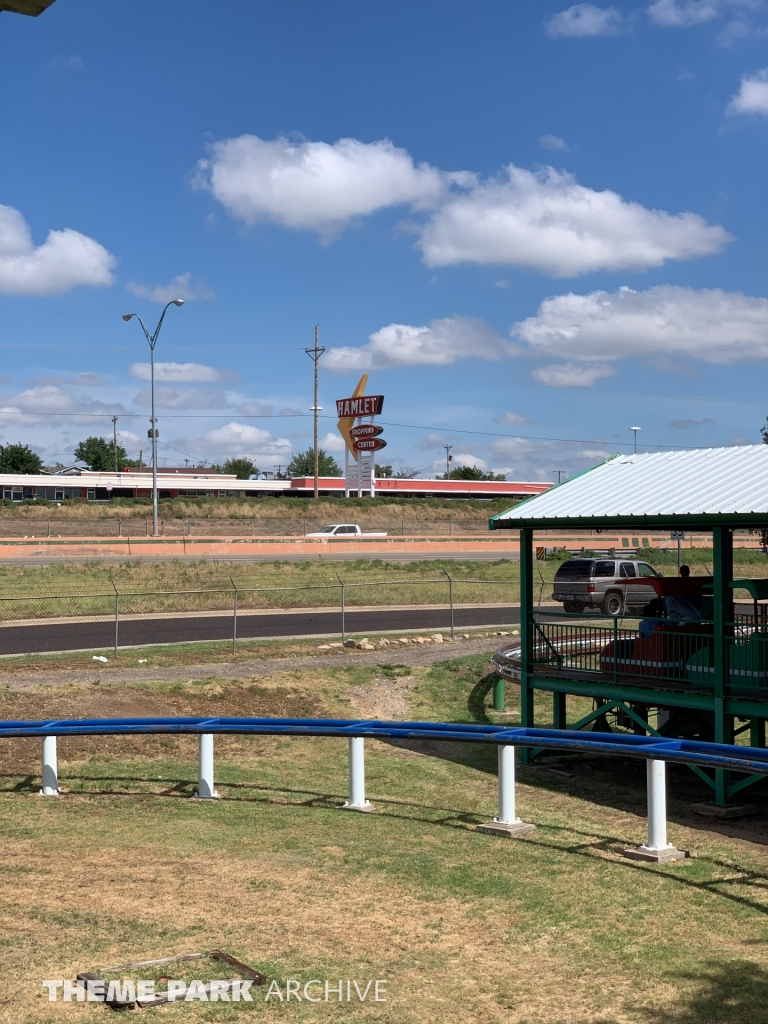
(554, 928)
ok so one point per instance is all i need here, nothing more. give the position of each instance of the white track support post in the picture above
(357, 801)
(507, 823)
(50, 768)
(657, 849)
(205, 789)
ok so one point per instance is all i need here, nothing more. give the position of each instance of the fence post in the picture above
(507, 823)
(147, 525)
(234, 616)
(343, 623)
(450, 597)
(205, 787)
(50, 769)
(357, 801)
(252, 534)
(656, 849)
(119, 527)
(117, 617)
(49, 527)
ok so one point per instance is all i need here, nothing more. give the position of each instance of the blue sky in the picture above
(534, 225)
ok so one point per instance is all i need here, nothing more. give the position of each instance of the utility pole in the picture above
(559, 473)
(114, 440)
(141, 452)
(314, 354)
(448, 459)
(635, 429)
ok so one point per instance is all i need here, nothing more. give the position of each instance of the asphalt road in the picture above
(75, 635)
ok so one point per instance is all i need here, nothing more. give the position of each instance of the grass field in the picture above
(554, 927)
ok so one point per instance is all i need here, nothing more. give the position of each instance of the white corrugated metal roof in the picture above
(706, 481)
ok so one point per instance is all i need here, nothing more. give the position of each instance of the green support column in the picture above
(722, 542)
(757, 732)
(498, 694)
(526, 635)
(559, 718)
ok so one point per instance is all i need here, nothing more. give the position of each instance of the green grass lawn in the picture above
(554, 927)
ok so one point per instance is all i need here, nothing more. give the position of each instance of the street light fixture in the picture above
(153, 432)
(635, 429)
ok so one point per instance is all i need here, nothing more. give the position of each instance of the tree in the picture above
(303, 464)
(382, 472)
(98, 453)
(406, 473)
(242, 467)
(19, 458)
(472, 473)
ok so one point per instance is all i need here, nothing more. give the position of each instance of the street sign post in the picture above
(369, 444)
(366, 430)
(361, 440)
(678, 535)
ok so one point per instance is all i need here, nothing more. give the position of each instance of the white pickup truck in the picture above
(344, 530)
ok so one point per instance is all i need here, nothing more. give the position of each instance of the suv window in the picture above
(575, 568)
(603, 568)
(627, 569)
(643, 569)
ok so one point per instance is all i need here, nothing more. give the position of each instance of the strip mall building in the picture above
(197, 483)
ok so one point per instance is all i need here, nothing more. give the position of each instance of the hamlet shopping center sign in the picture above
(363, 405)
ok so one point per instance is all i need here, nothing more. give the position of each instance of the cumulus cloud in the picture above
(179, 373)
(191, 398)
(64, 260)
(61, 63)
(584, 20)
(689, 12)
(314, 185)
(548, 222)
(86, 379)
(440, 343)
(434, 440)
(732, 32)
(234, 439)
(512, 419)
(257, 408)
(181, 287)
(41, 404)
(572, 375)
(332, 442)
(553, 142)
(667, 320)
(544, 221)
(752, 97)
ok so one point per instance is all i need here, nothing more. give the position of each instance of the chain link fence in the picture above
(121, 616)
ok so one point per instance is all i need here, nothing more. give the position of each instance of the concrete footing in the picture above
(669, 853)
(508, 829)
(205, 787)
(729, 811)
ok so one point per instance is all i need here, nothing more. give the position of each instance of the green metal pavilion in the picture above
(714, 668)
(30, 7)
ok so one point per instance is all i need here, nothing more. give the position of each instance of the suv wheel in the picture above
(573, 606)
(613, 604)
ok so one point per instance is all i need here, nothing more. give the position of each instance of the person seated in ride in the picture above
(652, 613)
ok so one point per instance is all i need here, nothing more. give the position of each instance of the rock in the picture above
(350, 643)
(336, 644)
(364, 640)
(515, 632)
(464, 636)
(323, 647)
(362, 646)
(437, 637)
(418, 640)
(383, 643)
(404, 640)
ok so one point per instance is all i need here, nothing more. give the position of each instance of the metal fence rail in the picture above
(126, 616)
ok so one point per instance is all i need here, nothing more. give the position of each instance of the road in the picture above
(76, 635)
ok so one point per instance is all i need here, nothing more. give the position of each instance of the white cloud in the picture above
(332, 442)
(181, 287)
(61, 63)
(732, 32)
(553, 142)
(667, 320)
(41, 404)
(690, 424)
(544, 221)
(234, 439)
(179, 373)
(512, 419)
(434, 440)
(572, 375)
(752, 97)
(192, 398)
(66, 259)
(689, 12)
(314, 185)
(594, 453)
(440, 343)
(548, 222)
(584, 20)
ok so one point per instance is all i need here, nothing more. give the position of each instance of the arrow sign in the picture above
(366, 430)
(374, 444)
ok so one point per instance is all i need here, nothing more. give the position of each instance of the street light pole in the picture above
(314, 354)
(153, 433)
(635, 429)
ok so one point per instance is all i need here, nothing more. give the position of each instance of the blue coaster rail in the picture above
(753, 760)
